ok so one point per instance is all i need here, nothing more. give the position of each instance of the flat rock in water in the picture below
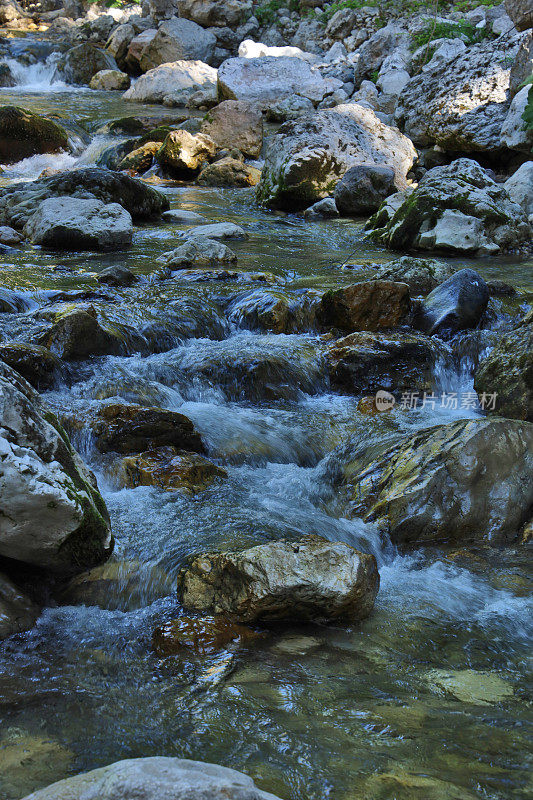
(470, 686)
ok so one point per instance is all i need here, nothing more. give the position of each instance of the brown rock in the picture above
(229, 172)
(202, 636)
(170, 469)
(365, 306)
(133, 429)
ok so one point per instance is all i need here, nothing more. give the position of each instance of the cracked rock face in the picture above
(461, 103)
(52, 513)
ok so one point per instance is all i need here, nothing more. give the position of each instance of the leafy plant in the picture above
(450, 30)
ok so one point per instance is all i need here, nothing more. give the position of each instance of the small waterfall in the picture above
(38, 77)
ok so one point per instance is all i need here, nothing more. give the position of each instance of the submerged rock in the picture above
(470, 686)
(422, 275)
(170, 469)
(469, 481)
(24, 134)
(117, 275)
(53, 515)
(124, 585)
(199, 251)
(134, 429)
(234, 123)
(79, 334)
(508, 372)
(69, 223)
(457, 304)
(156, 778)
(200, 636)
(458, 208)
(17, 611)
(273, 311)
(365, 306)
(36, 364)
(394, 362)
(312, 579)
(307, 157)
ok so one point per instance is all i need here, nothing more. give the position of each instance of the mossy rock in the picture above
(24, 134)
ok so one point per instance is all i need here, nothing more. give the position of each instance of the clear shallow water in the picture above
(316, 712)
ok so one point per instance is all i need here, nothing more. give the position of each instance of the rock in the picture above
(140, 159)
(458, 207)
(461, 103)
(136, 48)
(117, 275)
(322, 209)
(422, 275)
(375, 50)
(469, 481)
(514, 133)
(24, 134)
(178, 40)
(471, 686)
(53, 515)
(156, 778)
(71, 223)
(229, 172)
(171, 469)
(250, 49)
(219, 230)
(119, 41)
(10, 11)
(521, 13)
(134, 429)
(273, 311)
(235, 123)
(288, 108)
(455, 305)
(508, 371)
(9, 236)
(201, 636)
(403, 785)
(184, 153)
(28, 760)
(181, 216)
(19, 201)
(82, 62)
(308, 156)
(178, 80)
(392, 362)
(160, 10)
(363, 188)
(312, 579)
(269, 79)
(36, 364)
(78, 334)
(110, 80)
(365, 306)
(218, 13)
(519, 187)
(199, 251)
(123, 585)
(12, 302)
(17, 612)
(7, 79)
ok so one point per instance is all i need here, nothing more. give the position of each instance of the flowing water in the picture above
(380, 710)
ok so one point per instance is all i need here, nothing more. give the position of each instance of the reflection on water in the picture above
(385, 709)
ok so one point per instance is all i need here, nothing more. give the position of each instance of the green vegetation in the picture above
(450, 30)
(266, 13)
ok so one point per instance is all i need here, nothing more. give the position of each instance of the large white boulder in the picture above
(519, 187)
(74, 223)
(308, 156)
(176, 80)
(156, 778)
(52, 513)
(269, 79)
(250, 49)
(178, 40)
(514, 133)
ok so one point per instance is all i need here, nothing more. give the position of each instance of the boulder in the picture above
(79, 64)
(288, 108)
(521, 13)
(216, 13)
(466, 482)
(519, 187)
(118, 43)
(162, 9)
(461, 103)
(322, 209)
(308, 580)
(363, 188)
(177, 40)
(136, 48)
(235, 123)
(155, 778)
(141, 159)
(178, 80)
(307, 157)
(53, 515)
(514, 133)
(273, 311)
(36, 364)
(365, 306)
(250, 49)
(9, 236)
(458, 208)
(378, 47)
(508, 371)
(422, 275)
(19, 201)
(266, 80)
(455, 305)
(7, 79)
(122, 585)
(10, 11)
(171, 469)
(74, 224)
(117, 275)
(184, 154)
(108, 80)
(134, 429)
(78, 334)
(219, 230)
(229, 172)
(24, 134)
(199, 251)
(395, 362)
(18, 612)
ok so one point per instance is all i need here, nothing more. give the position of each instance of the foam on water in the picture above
(38, 77)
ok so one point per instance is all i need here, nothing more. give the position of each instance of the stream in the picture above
(312, 712)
